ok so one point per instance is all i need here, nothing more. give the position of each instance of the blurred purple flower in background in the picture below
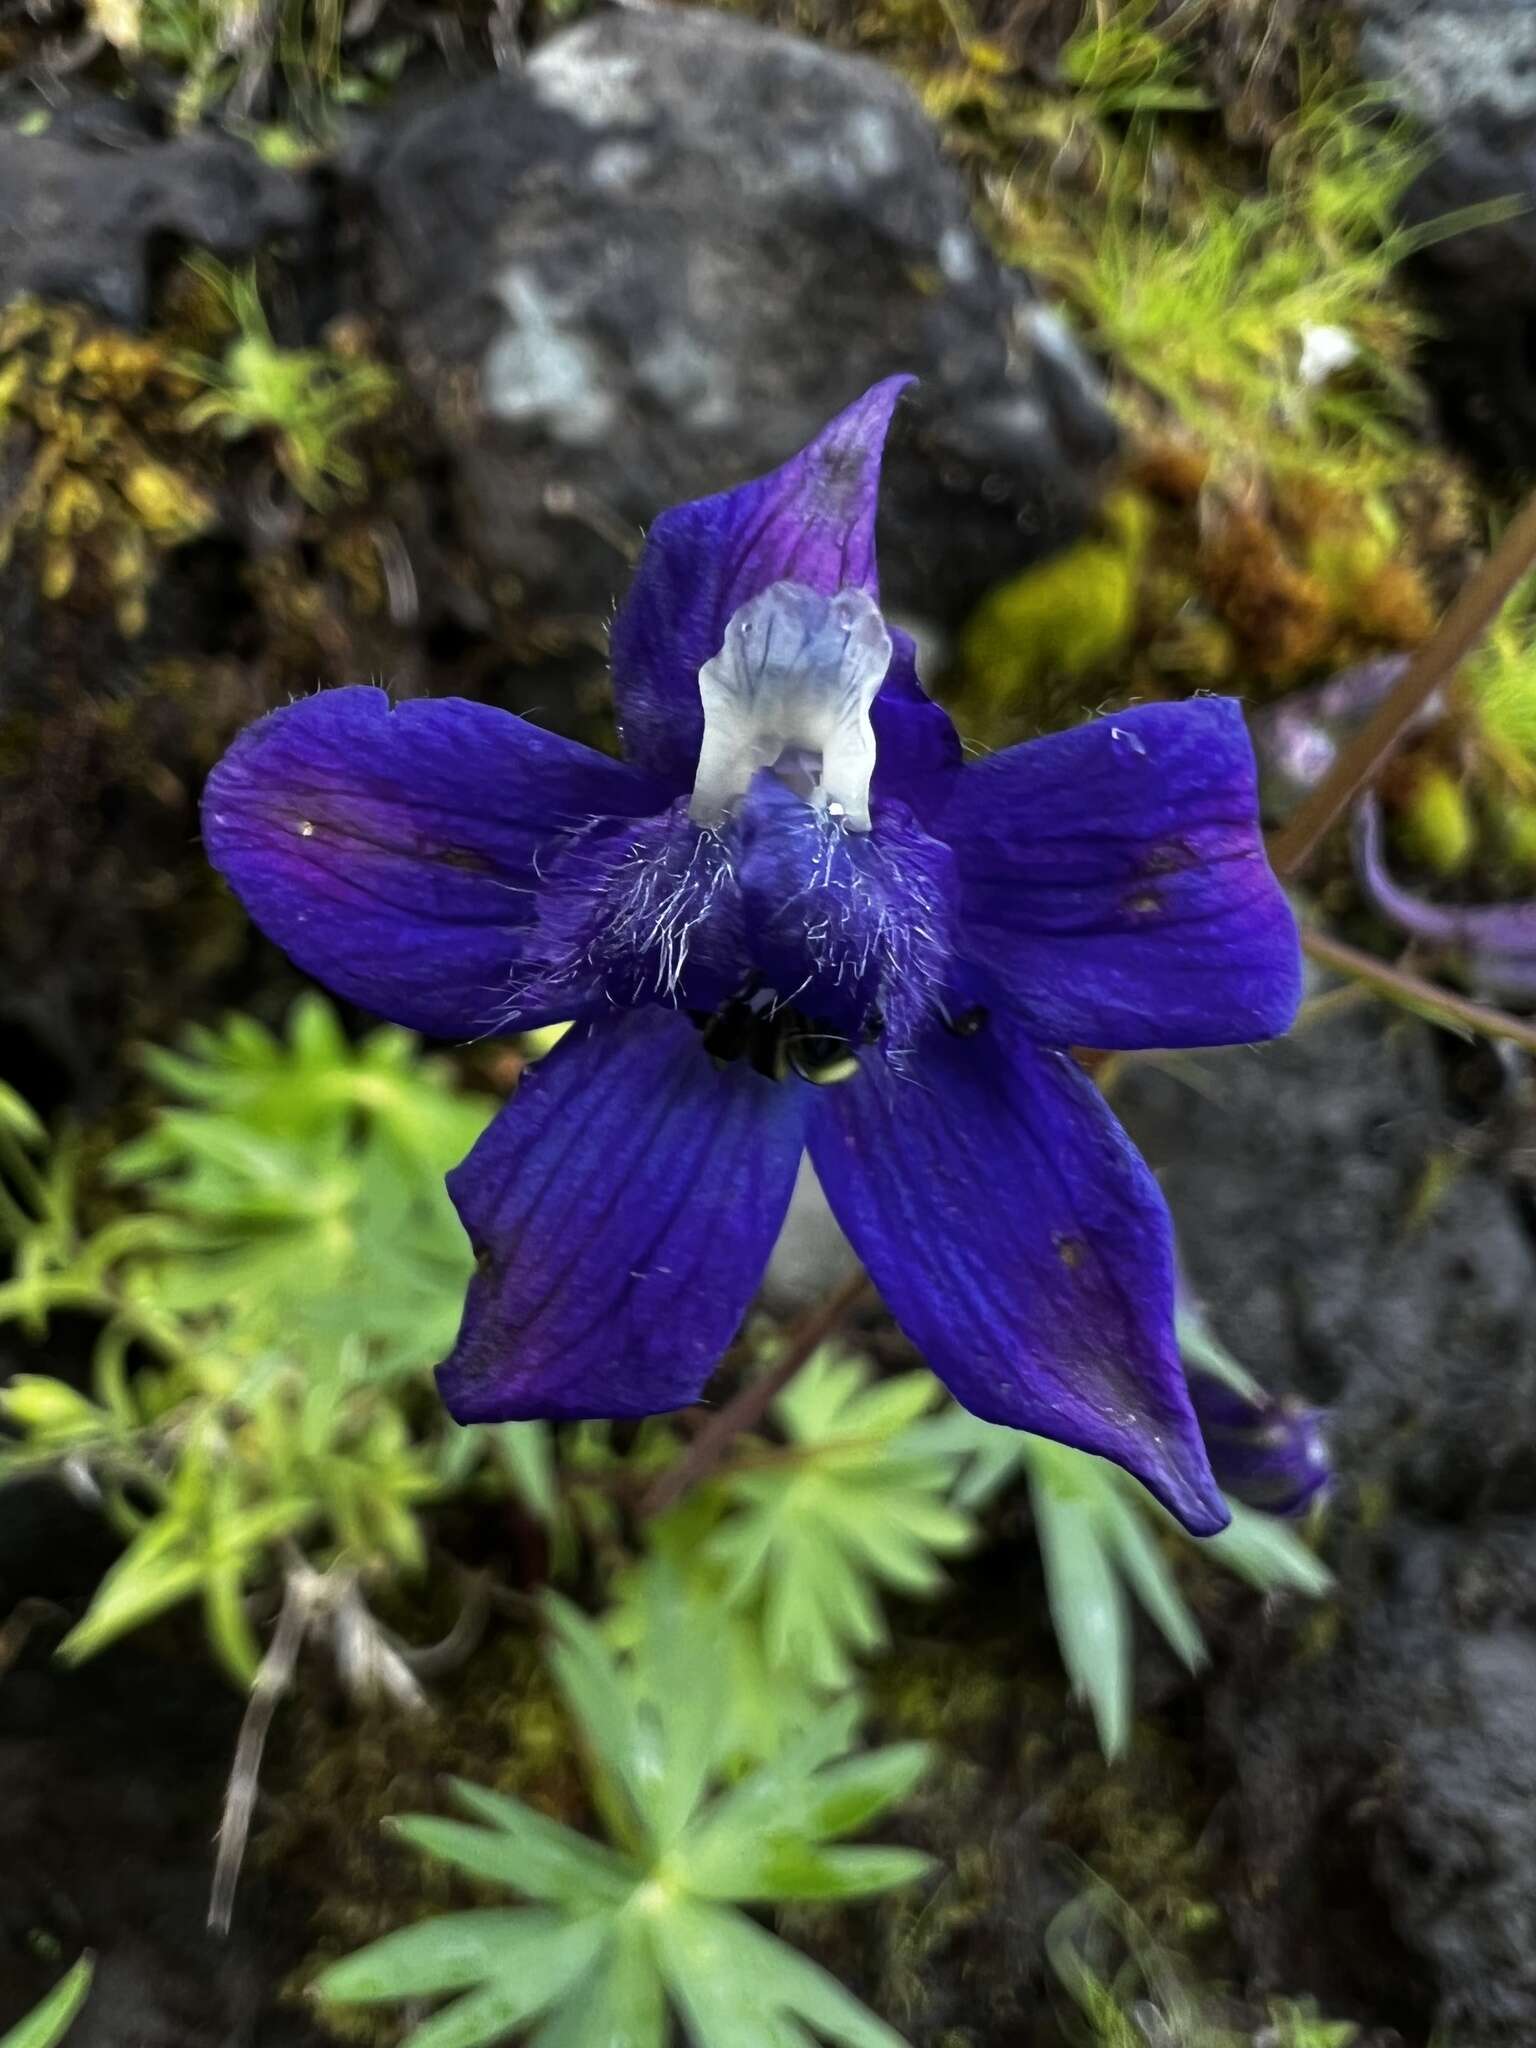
(1266, 1452)
(791, 920)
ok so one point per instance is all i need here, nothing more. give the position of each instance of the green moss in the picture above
(1062, 622)
(1438, 821)
(341, 1780)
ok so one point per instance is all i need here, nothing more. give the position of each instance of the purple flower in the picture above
(791, 920)
(1495, 943)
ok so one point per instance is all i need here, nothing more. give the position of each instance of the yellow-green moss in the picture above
(90, 415)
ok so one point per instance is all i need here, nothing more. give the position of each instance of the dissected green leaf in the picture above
(739, 1987)
(857, 1504)
(513, 1965)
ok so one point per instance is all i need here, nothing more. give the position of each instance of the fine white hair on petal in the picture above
(796, 677)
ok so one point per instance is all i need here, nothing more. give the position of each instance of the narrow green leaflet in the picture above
(512, 1965)
(1269, 1554)
(740, 1988)
(47, 2024)
(1103, 1539)
(1088, 1603)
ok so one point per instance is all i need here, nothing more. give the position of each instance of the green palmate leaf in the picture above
(622, 1759)
(47, 2024)
(622, 2003)
(514, 1966)
(557, 1864)
(761, 1703)
(623, 1939)
(539, 1858)
(857, 1505)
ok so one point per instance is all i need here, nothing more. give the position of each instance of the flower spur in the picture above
(792, 919)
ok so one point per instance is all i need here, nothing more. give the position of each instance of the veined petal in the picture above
(1023, 1246)
(1114, 880)
(917, 750)
(622, 1208)
(391, 849)
(811, 522)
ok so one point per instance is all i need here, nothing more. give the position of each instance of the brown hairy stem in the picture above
(1471, 612)
(749, 1407)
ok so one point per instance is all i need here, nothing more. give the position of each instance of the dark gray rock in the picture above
(1384, 1817)
(1465, 71)
(87, 199)
(656, 261)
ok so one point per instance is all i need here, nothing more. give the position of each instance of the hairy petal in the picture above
(811, 522)
(840, 921)
(622, 1208)
(636, 911)
(1023, 1246)
(1114, 880)
(391, 850)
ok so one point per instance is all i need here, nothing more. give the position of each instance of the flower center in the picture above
(777, 1040)
(791, 691)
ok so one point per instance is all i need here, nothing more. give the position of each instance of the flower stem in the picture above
(1471, 612)
(1426, 997)
(749, 1407)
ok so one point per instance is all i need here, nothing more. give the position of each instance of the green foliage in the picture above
(618, 1934)
(47, 2024)
(300, 1183)
(267, 1321)
(1121, 66)
(855, 1504)
(1130, 1992)
(1104, 1542)
(1208, 296)
(306, 400)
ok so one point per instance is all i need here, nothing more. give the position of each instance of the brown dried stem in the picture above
(1471, 612)
(749, 1407)
(1416, 993)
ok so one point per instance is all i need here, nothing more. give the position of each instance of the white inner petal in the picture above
(791, 690)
